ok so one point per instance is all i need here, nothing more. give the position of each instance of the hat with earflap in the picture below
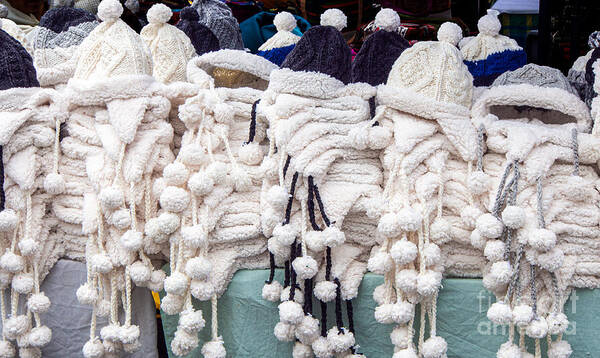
(283, 42)
(201, 36)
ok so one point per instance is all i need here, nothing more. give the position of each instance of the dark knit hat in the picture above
(16, 65)
(201, 36)
(376, 57)
(321, 49)
(61, 18)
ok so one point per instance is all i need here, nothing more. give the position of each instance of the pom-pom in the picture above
(557, 323)
(307, 330)
(86, 294)
(28, 247)
(214, 349)
(174, 199)
(403, 252)
(8, 220)
(285, 295)
(200, 184)
(509, 350)
(177, 283)
(537, 328)
(388, 225)
(272, 291)
(12, 262)
(168, 223)
(101, 263)
(478, 180)
(340, 340)
(380, 263)
(240, 179)
(223, 113)
(522, 315)
(315, 241)
(489, 226)
(217, 171)
(499, 313)
(159, 14)
(406, 280)
(494, 250)
(132, 240)
(379, 137)
(406, 353)
(302, 351)
(290, 312)
(388, 20)
(139, 273)
(305, 267)
(384, 313)
(157, 279)
(23, 283)
(120, 218)
(489, 24)
(93, 349)
(403, 312)
(285, 234)
(109, 10)
(450, 32)
(202, 290)
(379, 294)
(175, 173)
(40, 336)
(191, 321)
(501, 271)
(284, 21)
(435, 347)
(333, 236)
(54, 184)
(171, 304)
(111, 198)
(400, 337)
(432, 254)
(428, 282)
(281, 252)
(277, 197)
(477, 240)
(251, 153)
(38, 303)
(321, 348)
(284, 332)
(440, 231)
(542, 239)
(15, 326)
(551, 260)
(198, 268)
(152, 230)
(184, 342)
(560, 349)
(409, 219)
(129, 334)
(513, 217)
(324, 291)
(194, 236)
(335, 18)
(469, 216)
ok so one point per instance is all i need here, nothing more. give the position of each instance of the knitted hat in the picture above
(378, 53)
(16, 65)
(217, 16)
(171, 48)
(581, 76)
(201, 36)
(323, 49)
(490, 54)
(62, 18)
(12, 28)
(283, 42)
(113, 48)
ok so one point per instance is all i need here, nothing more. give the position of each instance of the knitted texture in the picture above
(201, 36)
(217, 16)
(14, 30)
(321, 49)
(378, 53)
(535, 75)
(62, 18)
(16, 65)
(276, 48)
(277, 55)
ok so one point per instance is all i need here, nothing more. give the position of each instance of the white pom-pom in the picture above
(175, 173)
(93, 349)
(101, 263)
(494, 250)
(406, 353)
(469, 216)
(152, 230)
(379, 294)
(435, 347)
(489, 24)
(28, 247)
(321, 348)
(551, 260)
(335, 18)
(284, 332)
(157, 278)
(240, 179)
(8, 220)
(509, 350)
(159, 14)
(499, 313)
(513, 216)
(194, 236)
(400, 337)
(201, 184)
(109, 10)
(432, 254)
(285, 233)
(384, 313)
(428, 282)
(251, 153)
(557, 323)
(307, 330)
(6, 350)
(388, 225)
(38, 303)
(315, 241)
(302, 351)
(54, 184)
(477, 182)
(560, 349)
(489, 226)
(542, 239)
(12, 262)
(333, 236)
(537, 328)
(120, 218)
(198, 268)
(171, 304)
(223, 113)
(284, 21)
(177, 283)
(340, 340)
(23, 283)
(111, 198)
(501, 271)
(403, 312)
(305, 267)
(403, 252)
(477, 240)
(202, 290)
(168, 223)
(191, 321)
(272, 291)
(129, 334)
(40, 336)
(388, 20)
(440, 231)
(521, 315)
(139, 273)
(86, 294)
(277, 197)
(285, 295)
(15, 326)
(450, 32)
(380, 263)
(406, 280)
(184, 342)
(324, 291)
(409, 219)
(217, 171)
(379, 137)
(290, 312)
(281, 252)
(132, 240)
(174, 199)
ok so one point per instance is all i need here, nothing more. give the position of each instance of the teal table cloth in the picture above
(246, 321)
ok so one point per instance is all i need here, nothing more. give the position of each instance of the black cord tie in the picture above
(271, 267)
(338, 305)
(252, 131)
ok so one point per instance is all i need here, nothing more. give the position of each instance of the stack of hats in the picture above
(276, 48)
(201, 36)
(217, 16)
(489, 54)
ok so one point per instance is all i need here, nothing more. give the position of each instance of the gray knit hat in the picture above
(217, 16)
(535, 75)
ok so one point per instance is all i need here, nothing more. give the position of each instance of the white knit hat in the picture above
(13, 29)
(276, 48)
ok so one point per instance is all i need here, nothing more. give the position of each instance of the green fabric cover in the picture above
(246, 321)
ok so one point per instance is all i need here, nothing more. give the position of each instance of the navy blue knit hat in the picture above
(201, 36)
(321, 49)
(16, 65)
(60, 19)
(376, 57)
